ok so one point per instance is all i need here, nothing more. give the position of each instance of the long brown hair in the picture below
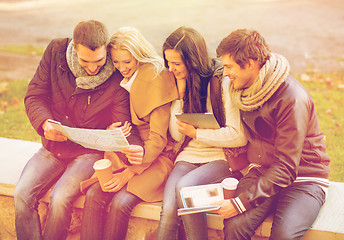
(192, 47)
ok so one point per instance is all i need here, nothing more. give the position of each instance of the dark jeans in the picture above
(40, 173)
(187, 174)
(295, 209)
(97, 223)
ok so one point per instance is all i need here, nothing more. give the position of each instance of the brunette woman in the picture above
(200, 158)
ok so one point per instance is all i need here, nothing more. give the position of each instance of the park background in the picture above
(310, 33)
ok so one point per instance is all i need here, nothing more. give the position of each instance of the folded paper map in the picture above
(102, 140)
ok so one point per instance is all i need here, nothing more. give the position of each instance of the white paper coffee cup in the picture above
(103, 170)
(229, 186)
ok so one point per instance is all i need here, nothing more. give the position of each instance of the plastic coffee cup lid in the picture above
(229, 183)
(101, 164)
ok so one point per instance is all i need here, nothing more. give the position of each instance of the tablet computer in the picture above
(199, 120)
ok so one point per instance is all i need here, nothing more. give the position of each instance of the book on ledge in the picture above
(202, 198)
(184, 211)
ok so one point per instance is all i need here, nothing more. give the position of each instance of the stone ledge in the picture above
(329, 224)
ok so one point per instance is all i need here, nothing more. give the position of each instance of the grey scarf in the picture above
(83, 80)
(270, 77)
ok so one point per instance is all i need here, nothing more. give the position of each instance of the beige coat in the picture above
(150, 100)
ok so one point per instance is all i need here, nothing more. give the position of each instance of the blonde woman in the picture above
(152, 89)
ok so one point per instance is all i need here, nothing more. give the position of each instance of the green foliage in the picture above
(23, 49)
(14, 122)
(327, 93)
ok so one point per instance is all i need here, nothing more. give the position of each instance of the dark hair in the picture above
(91, 34)
(192, 47)
(244, 44)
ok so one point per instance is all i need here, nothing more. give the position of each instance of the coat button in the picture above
(259, 156)
(67, 117)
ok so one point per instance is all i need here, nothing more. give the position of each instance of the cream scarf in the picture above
(270, 77)
(83, 80)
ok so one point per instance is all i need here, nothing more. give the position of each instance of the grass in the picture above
(23, 49)
(325, 89)
(327, 93)
(14, 121)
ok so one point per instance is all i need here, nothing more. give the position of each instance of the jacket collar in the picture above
(150, 90)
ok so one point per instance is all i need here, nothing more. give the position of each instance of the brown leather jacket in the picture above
(285, 139)
(52, 93)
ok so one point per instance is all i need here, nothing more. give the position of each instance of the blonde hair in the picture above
(131, 39)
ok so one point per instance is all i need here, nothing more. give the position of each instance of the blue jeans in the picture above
(38, 176)
(295, 209)
(187, 174)
(97, 223)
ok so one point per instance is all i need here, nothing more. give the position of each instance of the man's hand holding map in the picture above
(102, 140)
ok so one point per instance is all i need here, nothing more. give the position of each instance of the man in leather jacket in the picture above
(289, 169)
(74, 84)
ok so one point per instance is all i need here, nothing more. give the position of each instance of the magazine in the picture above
(199, 120)
(203, 198)
(102, 140)
(184, 211)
